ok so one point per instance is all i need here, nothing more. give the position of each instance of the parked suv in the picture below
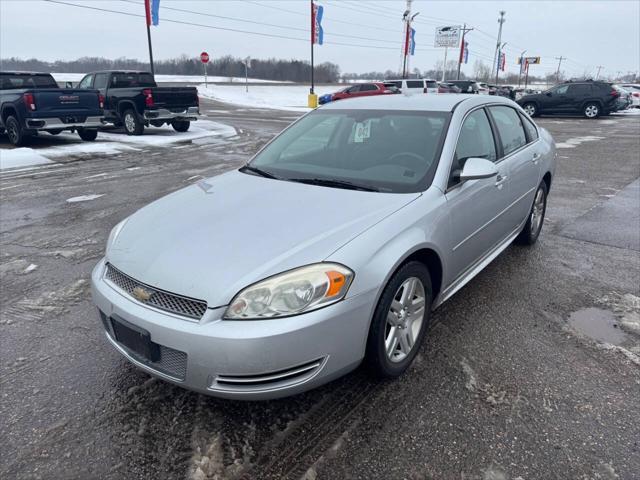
(133, 99)
(588, 98)
(33, 102)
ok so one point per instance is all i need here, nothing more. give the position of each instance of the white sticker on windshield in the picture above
(363, 131)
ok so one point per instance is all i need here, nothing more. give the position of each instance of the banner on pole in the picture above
(317, 33)
(466, 52)
(155, 12)
(412, 45)
(447, 36)
(503, 61)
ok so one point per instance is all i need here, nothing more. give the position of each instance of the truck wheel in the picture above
(17, 135)
(55, 132)
(132, 123)
(88, 135)
(181, 125)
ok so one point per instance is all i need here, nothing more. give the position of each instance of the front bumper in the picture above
(247, 359)
(56, 123)
(191, 113)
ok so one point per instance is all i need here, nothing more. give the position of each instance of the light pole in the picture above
(521, 64)
(462, 48)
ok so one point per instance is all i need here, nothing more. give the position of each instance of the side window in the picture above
(510, 128)
(101, 81)
(561, 90)
(86, 82)
(475, 140)
(530, 129)
(354, 89)
(415, 84)
(368, 87)
(579, 90)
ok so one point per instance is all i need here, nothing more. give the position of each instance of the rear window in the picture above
(15, 82)
(126, 80)
(397, 84)
(431, 84)
(415, 84)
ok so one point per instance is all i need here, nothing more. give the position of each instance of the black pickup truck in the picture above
(33, 102)
(133, 99)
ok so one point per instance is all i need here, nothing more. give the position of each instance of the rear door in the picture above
(577, 95)
(520, 152)
(475, 206)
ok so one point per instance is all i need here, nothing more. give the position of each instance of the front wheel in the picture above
(530, 109)
(400, 321)
(88, 135)
(531, 231)
(132, 123)
(181, 125)
(17, 135)
(591, 110)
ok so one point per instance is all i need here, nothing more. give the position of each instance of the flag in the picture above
(466, 52)
(412, 45)
(151, 10)
(317, 33)
(155, 12)
(503, 61)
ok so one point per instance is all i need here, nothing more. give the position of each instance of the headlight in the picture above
(291, 293)
(115, 231)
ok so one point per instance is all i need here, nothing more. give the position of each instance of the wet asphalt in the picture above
(510, 382)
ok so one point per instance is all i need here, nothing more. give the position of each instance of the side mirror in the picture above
(477, 169)
(68, 85)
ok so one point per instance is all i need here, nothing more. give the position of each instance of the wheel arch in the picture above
(7, 111)
(546, 178)
(124, 105)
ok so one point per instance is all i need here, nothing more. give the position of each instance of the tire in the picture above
(532, 228)
(591, 110)
(55, 132)
(88, 135)
(530, 109)
(18, 136)
(181, 125)
(132, 123)
(393, 364)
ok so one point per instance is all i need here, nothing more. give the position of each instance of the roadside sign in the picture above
(529, 60)
(448, 36)
(204, 57)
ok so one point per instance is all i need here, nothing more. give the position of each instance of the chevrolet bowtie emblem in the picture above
(141, 293)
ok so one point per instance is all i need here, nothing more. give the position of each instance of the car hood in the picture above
(210, 240)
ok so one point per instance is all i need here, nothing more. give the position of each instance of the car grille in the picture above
(169, 302)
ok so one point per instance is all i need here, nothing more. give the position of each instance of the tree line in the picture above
(227, 66)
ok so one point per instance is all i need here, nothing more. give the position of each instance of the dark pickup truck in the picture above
(133, 99)
(33, 102)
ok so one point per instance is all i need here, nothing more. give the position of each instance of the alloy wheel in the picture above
(129, 122)
(12, 132)
(530, 110)
(404, 319)
(537, 213)
(591, 111)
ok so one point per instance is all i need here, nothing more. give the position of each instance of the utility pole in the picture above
(496, 66)
(521, 66)
(600, 67)
(560, 58)
(462, 48)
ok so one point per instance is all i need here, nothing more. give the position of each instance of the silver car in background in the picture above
(330, 247)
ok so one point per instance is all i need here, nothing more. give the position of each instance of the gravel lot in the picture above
(530, 372)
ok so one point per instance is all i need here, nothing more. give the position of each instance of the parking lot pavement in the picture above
(509, 383)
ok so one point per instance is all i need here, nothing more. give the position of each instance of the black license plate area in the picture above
(135, 339)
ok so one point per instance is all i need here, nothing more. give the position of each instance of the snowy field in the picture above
(108, 143)
(76, 77)
(289, 97)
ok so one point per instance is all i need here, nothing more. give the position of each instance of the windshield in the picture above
(387, 151)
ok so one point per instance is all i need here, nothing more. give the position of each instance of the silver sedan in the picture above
(331, 247)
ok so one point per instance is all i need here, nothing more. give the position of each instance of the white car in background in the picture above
(431, 86)
(634, 91)
(409, 86)
(483, 88)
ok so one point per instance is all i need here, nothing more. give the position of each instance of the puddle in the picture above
(601, 325)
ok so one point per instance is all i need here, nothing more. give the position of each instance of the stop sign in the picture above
(204, 57)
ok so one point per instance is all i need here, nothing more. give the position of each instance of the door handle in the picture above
(535, 158)
(500, 180)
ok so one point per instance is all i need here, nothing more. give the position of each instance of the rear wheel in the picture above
(591, 110)
(531, 231)
(400, 321)
(181, 125)
(17, 135)
(530, 109)
(88, 135)
(132, 123)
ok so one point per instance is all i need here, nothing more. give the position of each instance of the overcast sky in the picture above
(588, 33)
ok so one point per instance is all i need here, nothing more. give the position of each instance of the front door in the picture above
(556, 100)
(476, 221)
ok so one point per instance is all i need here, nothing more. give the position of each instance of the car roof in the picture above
(428, 103)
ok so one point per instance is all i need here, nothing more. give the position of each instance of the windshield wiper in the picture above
(327, 182)
(257, 171)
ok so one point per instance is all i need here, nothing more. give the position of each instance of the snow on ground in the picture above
(282, 97)
(76, 77)
(21, 157)
(109, 143)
